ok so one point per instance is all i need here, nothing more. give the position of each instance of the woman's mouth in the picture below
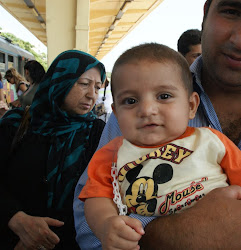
(85, 105)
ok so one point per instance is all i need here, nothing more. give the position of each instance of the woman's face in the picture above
(27, 75)
(10, 79)
(83, 95)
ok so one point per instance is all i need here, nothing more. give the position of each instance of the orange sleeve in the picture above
(231, 162)
(99, 182)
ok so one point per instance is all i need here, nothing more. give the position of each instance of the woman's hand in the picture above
(16, 103)
(34, 231)
(20, 246)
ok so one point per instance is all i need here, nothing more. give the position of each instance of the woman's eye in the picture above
(83, 83)
(164, 96)
(129, 101)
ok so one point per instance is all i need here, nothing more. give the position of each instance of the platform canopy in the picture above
(109, 21)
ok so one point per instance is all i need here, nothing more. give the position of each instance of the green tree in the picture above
(41, 58)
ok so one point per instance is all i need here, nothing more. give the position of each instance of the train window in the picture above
(10, 58)
(2, 63)
(2, 57)
(10, 61)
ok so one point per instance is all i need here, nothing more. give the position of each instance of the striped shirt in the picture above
(205, 116)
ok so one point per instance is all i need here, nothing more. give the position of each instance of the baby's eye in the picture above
(164, 96)
(129, 101)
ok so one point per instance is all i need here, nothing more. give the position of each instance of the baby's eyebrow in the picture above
(125, 92)
(167, 87)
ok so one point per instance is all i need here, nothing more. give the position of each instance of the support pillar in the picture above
(82, 25)
(60, 26)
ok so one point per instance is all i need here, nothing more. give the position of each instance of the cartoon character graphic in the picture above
(141, 195)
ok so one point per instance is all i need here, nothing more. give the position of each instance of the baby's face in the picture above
(150, 102)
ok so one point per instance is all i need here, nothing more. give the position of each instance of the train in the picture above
(12, 56)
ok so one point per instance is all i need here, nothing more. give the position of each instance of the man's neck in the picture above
(227, 104)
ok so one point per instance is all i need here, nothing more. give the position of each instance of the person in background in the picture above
(189, 45)
(1, 89)
(3, 104)
(13, 77)
(3, 108)
(103, 103)
(33, 72)
(39, 172)
(214, 222)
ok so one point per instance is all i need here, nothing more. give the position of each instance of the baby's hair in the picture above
(155, 52)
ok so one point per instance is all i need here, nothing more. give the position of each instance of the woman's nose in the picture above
(91, 91)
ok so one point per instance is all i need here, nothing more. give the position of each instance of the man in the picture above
(215, 220)
(189, 45)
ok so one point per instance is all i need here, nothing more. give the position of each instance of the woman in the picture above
(37, 180)
(33, 72)
(13, 77)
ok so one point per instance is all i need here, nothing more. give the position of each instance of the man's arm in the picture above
(213, 223)
(84, 236)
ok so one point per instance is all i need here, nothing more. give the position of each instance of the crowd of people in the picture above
(24, 86)
(70, 180)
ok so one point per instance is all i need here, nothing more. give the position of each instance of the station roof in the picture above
(110, 20)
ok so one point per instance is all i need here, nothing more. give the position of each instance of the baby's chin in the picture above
(153, 141)
(148, 143)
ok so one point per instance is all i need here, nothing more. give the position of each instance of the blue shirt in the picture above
(205, 116)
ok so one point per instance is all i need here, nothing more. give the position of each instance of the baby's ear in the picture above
(194, 101)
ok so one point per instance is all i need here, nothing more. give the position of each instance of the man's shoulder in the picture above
(115, 143)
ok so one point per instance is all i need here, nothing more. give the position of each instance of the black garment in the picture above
(23, 185)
